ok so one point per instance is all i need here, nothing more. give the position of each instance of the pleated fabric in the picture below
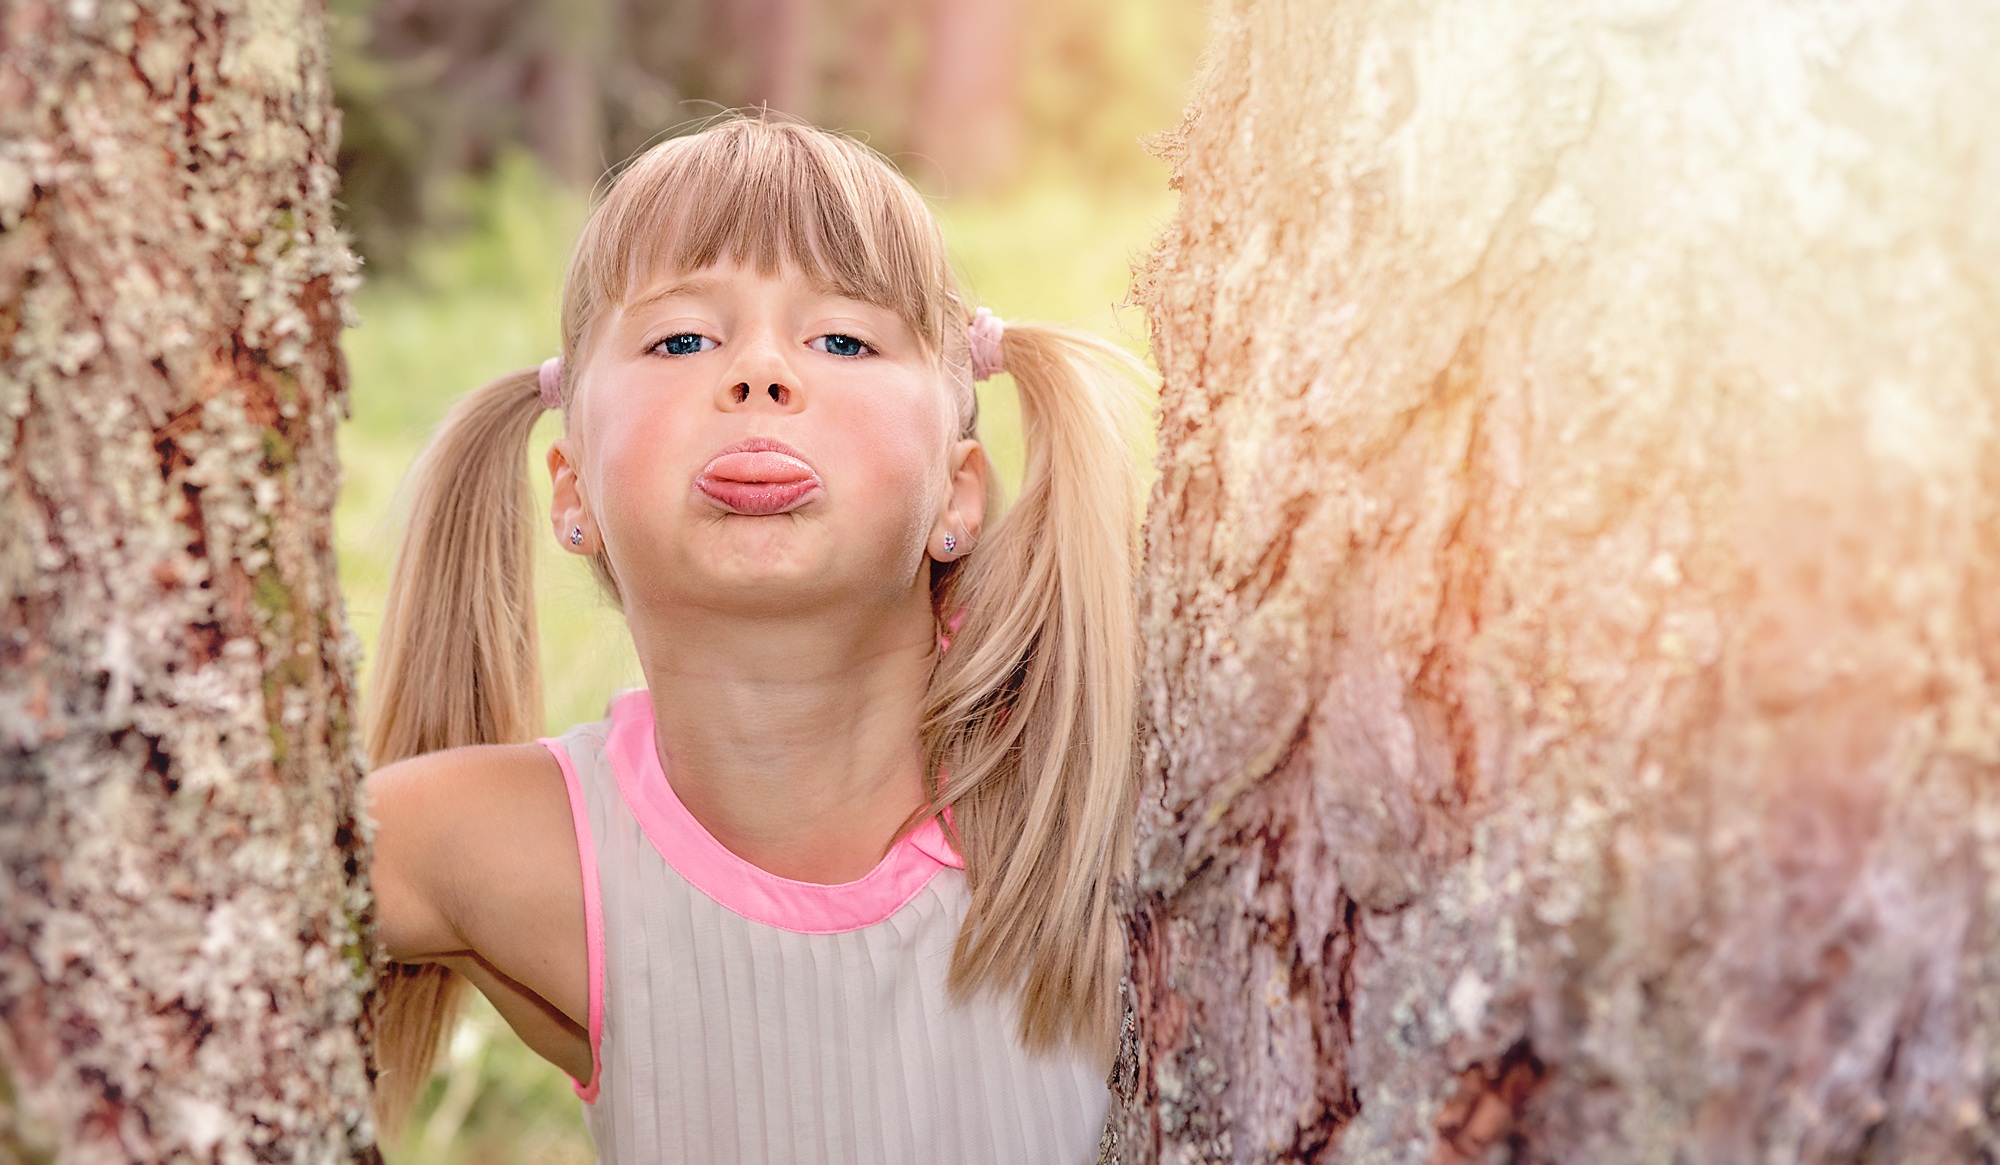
(742, 1017)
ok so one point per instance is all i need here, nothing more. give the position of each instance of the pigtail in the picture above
(1030, 714)
(456, 664)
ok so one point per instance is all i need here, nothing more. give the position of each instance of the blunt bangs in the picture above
(767, 193)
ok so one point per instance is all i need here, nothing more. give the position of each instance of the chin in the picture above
(771, 559)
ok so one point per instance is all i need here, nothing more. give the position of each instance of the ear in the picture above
(569, 510)
(964, 506)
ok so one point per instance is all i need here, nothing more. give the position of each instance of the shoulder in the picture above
(477, 867)
(481, 782)
(464, 832)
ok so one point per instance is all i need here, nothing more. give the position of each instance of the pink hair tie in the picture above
(551, 377)
(984, 334)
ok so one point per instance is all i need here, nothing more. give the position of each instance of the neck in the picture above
(794, 740)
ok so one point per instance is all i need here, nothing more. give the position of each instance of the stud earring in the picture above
(950, 544)
(576, 535)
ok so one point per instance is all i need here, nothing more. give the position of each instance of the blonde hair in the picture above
(1028, 717)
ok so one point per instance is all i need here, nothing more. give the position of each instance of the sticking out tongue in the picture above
(758, 482)
(761, 467)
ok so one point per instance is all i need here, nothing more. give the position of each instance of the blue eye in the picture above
(684, 344)
(839, 345)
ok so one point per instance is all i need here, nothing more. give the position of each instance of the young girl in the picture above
(836, 886)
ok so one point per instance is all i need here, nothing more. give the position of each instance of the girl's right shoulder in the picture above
(470, 842)
(453, 781)
(477, 867)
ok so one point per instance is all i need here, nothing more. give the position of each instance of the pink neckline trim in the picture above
(746, 889)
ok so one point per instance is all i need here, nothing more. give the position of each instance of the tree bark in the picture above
(775, 39)
(183, 922)
(867, 85)
(1570, 727)
(967, 116)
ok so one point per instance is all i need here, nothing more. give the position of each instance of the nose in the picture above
(760, 377)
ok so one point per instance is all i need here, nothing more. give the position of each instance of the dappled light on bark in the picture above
(1570, 717)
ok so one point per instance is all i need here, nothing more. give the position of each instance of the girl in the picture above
(836, 886)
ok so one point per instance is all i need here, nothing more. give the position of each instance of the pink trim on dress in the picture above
(593, 918)
(755, 893)
(934, 844)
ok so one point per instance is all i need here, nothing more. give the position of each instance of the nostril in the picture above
(780, 393)
(740, 393)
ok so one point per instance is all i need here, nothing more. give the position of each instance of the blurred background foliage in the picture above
(475, 132)
(967, 96)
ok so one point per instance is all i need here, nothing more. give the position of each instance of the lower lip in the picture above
(758, 498)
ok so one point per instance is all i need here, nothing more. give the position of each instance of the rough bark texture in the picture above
(182, 916)
(1573, 589)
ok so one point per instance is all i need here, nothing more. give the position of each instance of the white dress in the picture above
(739, 1016)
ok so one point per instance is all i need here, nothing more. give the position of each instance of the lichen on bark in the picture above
(184, 928)
(1570, 711)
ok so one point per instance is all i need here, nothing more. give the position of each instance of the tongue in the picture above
(763, 467)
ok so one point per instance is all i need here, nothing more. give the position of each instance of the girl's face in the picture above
(752, 444)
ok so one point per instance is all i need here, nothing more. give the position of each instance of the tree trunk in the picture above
(565, 108)
(867, 87)
(1573, 589)
(775, 38)
(967, 122)
(183, 922)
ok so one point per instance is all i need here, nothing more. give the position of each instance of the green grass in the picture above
(485, 303)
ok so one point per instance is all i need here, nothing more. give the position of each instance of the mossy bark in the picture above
(1573, 589)
(184, 928)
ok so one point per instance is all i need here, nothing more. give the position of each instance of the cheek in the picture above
(638, 464)
(896, 457)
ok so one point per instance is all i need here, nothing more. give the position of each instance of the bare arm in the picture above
(476, 867)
